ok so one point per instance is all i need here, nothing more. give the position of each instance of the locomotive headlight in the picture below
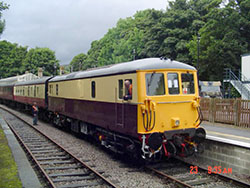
(175, 122)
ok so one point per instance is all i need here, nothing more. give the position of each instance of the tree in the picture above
(41, 57)
(11, 59)
(124, 42)
(3, 6)
(224, 38)
(79, 62)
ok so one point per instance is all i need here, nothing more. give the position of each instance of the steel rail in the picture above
(30, 153)
(221, 176)
(61, 147)
(168, 177)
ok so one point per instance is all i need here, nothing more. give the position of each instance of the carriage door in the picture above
(119, 106)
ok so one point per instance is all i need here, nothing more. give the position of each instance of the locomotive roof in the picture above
(36, 81)
(128, 67)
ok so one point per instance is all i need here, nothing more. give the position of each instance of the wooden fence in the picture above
(229, 111)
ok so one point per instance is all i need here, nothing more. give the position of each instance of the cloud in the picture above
(67, 26)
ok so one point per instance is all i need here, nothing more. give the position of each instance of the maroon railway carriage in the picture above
(28, 92)
(6, 93)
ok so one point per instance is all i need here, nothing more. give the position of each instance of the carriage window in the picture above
(56, 89)
(187, 83)
(173, 83)
(29, 91)
(93, 89)
(51, 89)
(120, 83)
(35, 91)
(155, 84)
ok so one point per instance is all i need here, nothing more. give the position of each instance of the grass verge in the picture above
(8, 169)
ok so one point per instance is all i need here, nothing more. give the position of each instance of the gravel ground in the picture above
(119, 172)
(195, 161)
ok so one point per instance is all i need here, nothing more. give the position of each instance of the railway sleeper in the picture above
(73, 179)
(199, 181)
(70, 174)
(80, 185)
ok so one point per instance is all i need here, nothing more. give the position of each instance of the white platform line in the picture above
(228, 141)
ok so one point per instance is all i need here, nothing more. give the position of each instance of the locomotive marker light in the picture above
(175, 122)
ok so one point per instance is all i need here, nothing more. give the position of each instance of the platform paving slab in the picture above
(26, 173)
(227, 134)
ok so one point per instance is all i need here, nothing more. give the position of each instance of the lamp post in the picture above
(198, 66)
(198, 52)
(55, 66)
(80, 65)
(134, 53)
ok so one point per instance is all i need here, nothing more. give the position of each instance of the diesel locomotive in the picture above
(148, 107)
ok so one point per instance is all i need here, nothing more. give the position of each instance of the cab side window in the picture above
(128, 89)
(120, 86)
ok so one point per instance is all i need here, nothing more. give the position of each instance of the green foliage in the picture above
(79, 62)
(41, 57)
(224, 37)
(8, 168)
(3, 6)
(124, 42)
(151, 33)
(15, 60)
(11, 59)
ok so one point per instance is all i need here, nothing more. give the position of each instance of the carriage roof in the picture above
(33, 82)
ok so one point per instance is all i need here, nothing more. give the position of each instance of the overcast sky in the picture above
(67, 26)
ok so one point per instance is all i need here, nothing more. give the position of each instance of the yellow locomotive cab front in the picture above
(168, 112)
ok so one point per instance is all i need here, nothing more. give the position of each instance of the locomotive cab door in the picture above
(123, 96)
(119, 106)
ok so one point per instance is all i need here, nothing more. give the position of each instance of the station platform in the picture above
(227, 134)
(26, 173)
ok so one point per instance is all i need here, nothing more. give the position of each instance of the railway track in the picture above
(180, 173)
(61, 169)
(58, 167)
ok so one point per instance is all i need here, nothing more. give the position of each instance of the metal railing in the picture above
(238, 83)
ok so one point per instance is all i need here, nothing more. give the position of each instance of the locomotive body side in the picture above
(96, 101)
